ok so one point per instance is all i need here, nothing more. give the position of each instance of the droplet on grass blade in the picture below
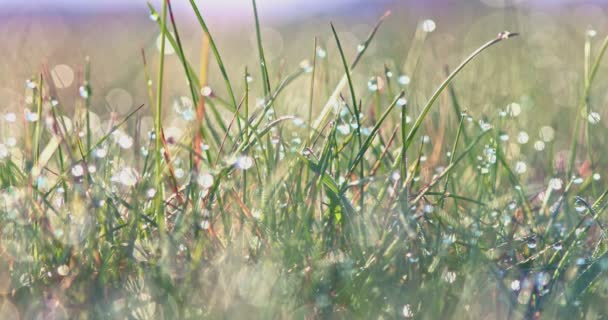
(205, 180)
(522, 137)
(168, 47)
(127, 176)
(428, 25)
(84, 91)
(594, 118)
(321, 53)
(404, 80)
(306, 66)
(547, 134)
(407, 311)
(521, 167)
(63, 270)
(515, 285)
(244, 162)
(206, 91)
(556, 183)
(125, 141)
(77, 170)
(539, 145)
(4, 152)
(514, 109)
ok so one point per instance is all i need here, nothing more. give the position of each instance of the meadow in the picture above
(377, 167)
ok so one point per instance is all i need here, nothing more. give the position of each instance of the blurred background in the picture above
(548, 55)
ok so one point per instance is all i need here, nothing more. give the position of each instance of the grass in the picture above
(348, 210)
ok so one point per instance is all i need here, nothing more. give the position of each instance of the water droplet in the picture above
(428, 25)
(189, 115)
(256, 213)
(179, 173)
(150, 193)
(306, 66)
(594, 118)
(30, 84)
(153, 16)
(77, 170)
(84, 92)
(298, 122)
(504, 137)
(401, 102)
(125, 141)
(522, 137)
(515, 285)
(404, 80)
(343, 129)
(521, 167)
(63, 270)
(547, 134)
(168, 47)
(407, 311)
(321, 53)
(449, 276)
(596, 176)
(360, 48)
(485, 126)
(206, 91)
(556, 183)
(101, 152)
(127, 176)
(531, 243)
(578, 180)
(514, 109)
(10, 117)
(205, 224)
(539, 145)
(205, 180)
(244, 162)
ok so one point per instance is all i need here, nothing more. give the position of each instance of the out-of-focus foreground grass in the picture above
(416, 164)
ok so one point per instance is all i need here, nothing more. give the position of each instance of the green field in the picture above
(398, 164)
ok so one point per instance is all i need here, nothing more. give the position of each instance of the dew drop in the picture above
(515, 285)
(125, 141)
(522, 137)
(407, 311)
(428, 25)
(594, 118)
(539, 145)
(77, 170)
(521, 167)
(63, 270)
(547, 134)
(205, 180)
(404, 80)
(244, 162)
(556, 183)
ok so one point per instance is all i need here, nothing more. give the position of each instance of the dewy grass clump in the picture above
(365, 206)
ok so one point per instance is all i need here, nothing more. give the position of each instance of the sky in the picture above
(211, 6)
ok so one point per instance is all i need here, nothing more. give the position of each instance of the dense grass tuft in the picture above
(364, 206)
